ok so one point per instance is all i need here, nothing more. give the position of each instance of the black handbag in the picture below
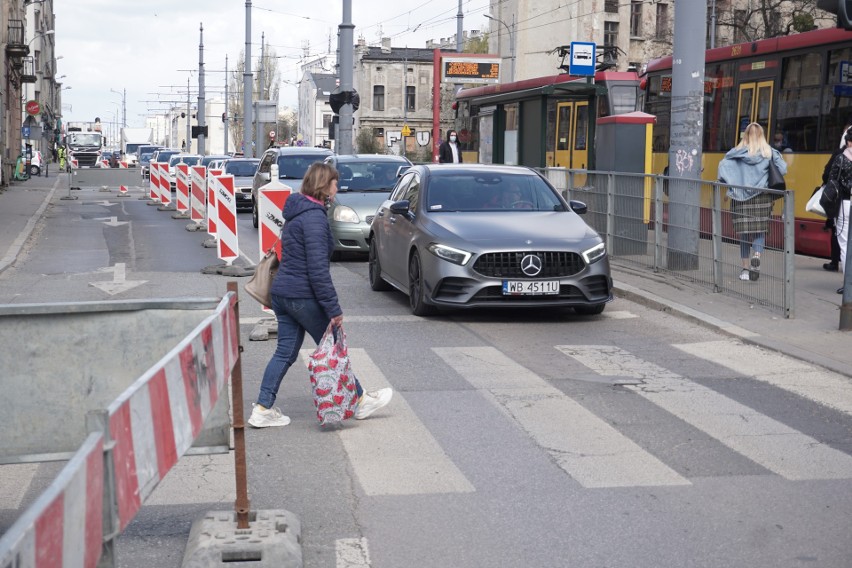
(776, 180)
(830, 199)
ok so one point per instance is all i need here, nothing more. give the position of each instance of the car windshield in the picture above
(191, 160)
(145, 158)
(241, 168)
(164, 156)
(173, 160)
(207, 160)
(484, 191)
(84, 139)
(368, 176)
(294, 166)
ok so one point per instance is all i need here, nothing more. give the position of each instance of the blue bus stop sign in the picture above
(582, 60)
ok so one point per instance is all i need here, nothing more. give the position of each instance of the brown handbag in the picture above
(259, 286)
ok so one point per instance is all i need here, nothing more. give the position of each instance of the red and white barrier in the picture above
(212, 214)
(153, 178)
(226, 211)
(122, 165)
(182, 188)
(269, 210)
(74, 163)
(165, 184)
(122, 191)
(64, 527)
(104, 163)
(155, 422)
(197, 193)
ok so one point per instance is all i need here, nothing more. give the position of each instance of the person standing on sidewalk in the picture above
(833, 264)
(841, 172)
(747, 164)
(303, 295)
(449, 151)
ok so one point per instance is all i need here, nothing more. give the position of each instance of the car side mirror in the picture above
(400, 207)
(578, 207)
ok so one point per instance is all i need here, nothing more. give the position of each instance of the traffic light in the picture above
(224, 117)
(843, 10)
(339, 98)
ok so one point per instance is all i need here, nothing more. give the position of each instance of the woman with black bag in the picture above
(745, 167)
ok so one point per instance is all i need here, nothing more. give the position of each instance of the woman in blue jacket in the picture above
(747, 165)
(303, 295)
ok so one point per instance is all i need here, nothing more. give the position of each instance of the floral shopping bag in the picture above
(332, 379)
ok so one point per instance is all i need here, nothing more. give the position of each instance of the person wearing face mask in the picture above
(449, 151)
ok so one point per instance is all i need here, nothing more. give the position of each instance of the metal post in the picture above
(459, 29)
(227, 117)
(846, 304)
(686, 130)
(258, 127)
(718, 265)
(242, 504)
(789, 254)
(188, 120)
(201, 100)
(404, 97)
(346, 63)
(658, 223)
(247, 88)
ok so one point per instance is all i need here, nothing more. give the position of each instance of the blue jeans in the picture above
(756, 245)
(295, 317)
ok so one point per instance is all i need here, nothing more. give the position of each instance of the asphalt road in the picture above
(632, 439)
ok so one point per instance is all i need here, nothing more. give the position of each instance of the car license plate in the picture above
(530, 287)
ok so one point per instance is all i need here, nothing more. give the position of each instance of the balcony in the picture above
(28, 70)
(17, 48)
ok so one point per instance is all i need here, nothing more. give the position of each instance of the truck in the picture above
(84, 142)
(131, 139)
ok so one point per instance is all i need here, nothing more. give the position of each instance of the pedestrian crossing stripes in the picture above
(806, 380)
(765, 441)
(591, 451)
(396, 455)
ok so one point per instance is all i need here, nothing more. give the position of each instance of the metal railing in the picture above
(684, 228)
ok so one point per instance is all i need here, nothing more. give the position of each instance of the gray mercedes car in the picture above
(466, 236)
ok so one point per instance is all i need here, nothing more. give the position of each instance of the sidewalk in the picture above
(812, 335)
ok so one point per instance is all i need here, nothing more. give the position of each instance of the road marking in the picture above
(585, 446)
(15, 479)
(111, 221)
(393, 452)
(808, 381)
(618, 315)
(119, 280)
(352, 553)
(775, 446)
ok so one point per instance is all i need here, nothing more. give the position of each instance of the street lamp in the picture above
(123, 106)
(511, 33)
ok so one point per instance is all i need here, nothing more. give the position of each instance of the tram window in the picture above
(563, 128)
(797, 117)
(837, 111)
(623, 98)
(720, 105)
(582, 127)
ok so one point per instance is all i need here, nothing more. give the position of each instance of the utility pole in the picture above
(247, 88)
(346, 63)
(188, 120)
(227, 114)
(459, 29)
(690, 34)
(404, 97)
(258, 127)
(201, 101)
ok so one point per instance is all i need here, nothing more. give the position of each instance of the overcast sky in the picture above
(150, 48)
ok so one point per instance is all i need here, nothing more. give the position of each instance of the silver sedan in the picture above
(464, 236)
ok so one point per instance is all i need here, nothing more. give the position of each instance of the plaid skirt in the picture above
(752, 215)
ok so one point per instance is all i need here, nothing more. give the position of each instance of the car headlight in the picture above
(594, 254)
(344, 214)
(454, 255)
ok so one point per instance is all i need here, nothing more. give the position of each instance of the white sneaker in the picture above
(265, 418)
(371, 402)
(744, 275)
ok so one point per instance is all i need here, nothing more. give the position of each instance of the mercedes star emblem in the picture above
(531, 264)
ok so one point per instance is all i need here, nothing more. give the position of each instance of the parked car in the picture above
(180, 158)
(35, 163)
(144, 155)
(161, 156)
(243, 170)
(293, 162)
(207, 160)
(366, 180)
(466, 236)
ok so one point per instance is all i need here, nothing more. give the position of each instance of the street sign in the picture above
(582, 58)
(25, 131)
(272, 135)
(406, 131)
(33, 108)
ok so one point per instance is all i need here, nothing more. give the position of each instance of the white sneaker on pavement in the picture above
(269, 417)
(371, 402)
(744, 275)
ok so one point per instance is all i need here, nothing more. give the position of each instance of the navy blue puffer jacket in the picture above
(306, 247)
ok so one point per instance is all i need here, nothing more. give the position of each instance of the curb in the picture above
(15, 249)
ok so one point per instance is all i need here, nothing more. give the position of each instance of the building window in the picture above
(326, 120)
(379, 97)
(610, 34)
(611, 6)
(409, 98)
(379, 132)
(635, 19)
(662, 21)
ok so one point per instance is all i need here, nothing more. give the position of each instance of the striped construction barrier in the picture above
(182, 188)
(226, 223)
(122, 164)
(212, 214)
(270, 205)
(132, 441)
(153, 182)
(122, 191)
(75, 163)
(197, 193)
(165, 183)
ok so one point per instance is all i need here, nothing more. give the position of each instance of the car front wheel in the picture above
(375, 268)
(416, 288)
(254, 220)
(35, 170)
